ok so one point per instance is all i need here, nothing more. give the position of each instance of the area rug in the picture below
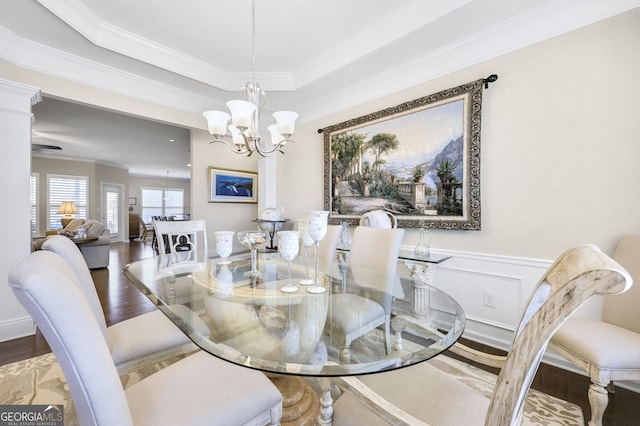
(39, 380)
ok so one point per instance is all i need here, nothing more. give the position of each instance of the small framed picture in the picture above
(232, 186)
(133, 201)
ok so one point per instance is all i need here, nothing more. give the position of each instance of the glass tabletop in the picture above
(246, 319)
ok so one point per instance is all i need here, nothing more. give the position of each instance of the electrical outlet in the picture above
(489, 299)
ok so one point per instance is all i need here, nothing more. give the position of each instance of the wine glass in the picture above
(317, 229)
(288, 247)
(252, 239)
(307, 242)
(224, 245)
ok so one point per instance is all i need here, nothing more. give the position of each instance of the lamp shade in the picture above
(217, 122)
(67, 208)
(286, 121)
(241, 113)
(276, 137)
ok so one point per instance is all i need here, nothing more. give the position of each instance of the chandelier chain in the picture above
(253, 42)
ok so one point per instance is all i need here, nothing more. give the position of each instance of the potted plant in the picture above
(418, 173)
(445, 170)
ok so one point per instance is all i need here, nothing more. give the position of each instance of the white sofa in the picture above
(95, 253)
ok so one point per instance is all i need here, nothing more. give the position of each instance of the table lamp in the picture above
(67, 208)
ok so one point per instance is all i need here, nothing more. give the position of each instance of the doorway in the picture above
(112, 210)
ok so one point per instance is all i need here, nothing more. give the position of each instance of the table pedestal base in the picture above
(300, 403)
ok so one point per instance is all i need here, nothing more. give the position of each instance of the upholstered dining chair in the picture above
(130, 343)
(372, 249)
(423, 394)
(199, 389)
(608, 349)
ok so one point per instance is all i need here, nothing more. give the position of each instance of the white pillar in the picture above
(267, 178)
(16, 101)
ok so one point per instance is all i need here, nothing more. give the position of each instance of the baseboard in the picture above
(16, 328)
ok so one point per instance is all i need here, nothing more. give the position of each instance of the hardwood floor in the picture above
(121, 300)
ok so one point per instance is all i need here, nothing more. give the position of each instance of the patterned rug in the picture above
(40, 380)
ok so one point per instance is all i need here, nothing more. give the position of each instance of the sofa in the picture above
(95, 253)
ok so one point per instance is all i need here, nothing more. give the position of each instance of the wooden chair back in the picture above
(574, 277)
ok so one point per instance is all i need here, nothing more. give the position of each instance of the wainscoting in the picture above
(493, 290)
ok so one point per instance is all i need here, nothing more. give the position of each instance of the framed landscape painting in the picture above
(419, 160)
(232, 186)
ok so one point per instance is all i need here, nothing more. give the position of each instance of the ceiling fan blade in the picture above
(42, 147)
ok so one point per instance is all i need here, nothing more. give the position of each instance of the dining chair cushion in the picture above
(213, 396)
(450, 401)
(352, 312)
(608, 346)
(147, 334)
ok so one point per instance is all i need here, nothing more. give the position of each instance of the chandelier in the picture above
(244, 132)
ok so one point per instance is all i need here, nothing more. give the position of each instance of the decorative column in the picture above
(16, 100)
(267, 181)
(422, 275)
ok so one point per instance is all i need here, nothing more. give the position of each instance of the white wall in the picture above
(559, 151)
(219, 216)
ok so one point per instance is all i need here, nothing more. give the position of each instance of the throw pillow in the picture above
(73, 225)
(96, 229)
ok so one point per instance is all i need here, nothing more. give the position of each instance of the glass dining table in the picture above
(244, 317)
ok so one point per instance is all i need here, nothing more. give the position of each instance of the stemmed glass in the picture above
(317, 229)
(252, 239)
(307, 242)
(288, 247)
(224, 245)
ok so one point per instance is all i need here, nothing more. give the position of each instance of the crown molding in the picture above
(121, 41)
(50, 61)
(526, 29)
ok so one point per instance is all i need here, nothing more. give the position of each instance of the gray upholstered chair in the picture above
(372, 249)
(129, 341)
(422, 393)
(199, 389)
(609, 349)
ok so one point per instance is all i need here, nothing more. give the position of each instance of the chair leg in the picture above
(598, 400)
(387, 335)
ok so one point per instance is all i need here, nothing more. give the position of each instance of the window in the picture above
(66, 188)
(35, 177)
(161, 202)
